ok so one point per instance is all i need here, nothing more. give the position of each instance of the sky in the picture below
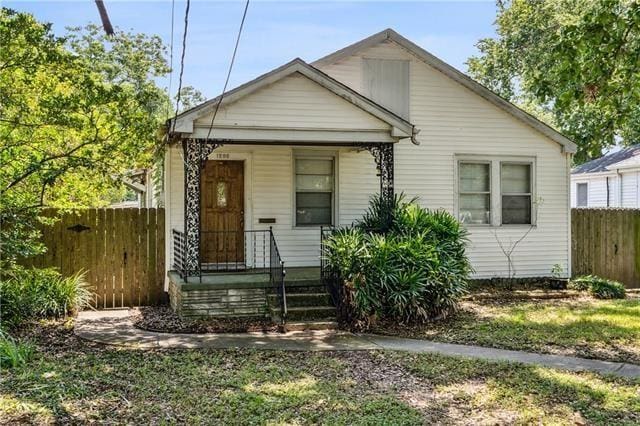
(277, 31)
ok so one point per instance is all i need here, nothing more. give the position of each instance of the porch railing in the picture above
(252, 251)
(277, 275)
(179, 253)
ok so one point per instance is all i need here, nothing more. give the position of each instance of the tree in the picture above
(75, 114)
(189, 97)
(574, 63)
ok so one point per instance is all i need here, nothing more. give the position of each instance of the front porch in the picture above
(255, 182)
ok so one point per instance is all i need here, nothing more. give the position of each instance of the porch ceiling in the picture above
(294, 104)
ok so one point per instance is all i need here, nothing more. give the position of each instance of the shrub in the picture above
(13, 353)
(40, 293)
(414, 269)
(599, 288)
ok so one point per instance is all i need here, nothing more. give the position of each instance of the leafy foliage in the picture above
(40, 293)
(13, 353)
(599, 288)
(416, 270)
(573, 63)
(75, 114)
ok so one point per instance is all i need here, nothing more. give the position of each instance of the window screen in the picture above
(387, 83)
(515, 183)
(314, 191)
(582, 194)
(474, 204)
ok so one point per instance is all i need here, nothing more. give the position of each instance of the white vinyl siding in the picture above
(602, 190)
(386, 82)
(453, 120)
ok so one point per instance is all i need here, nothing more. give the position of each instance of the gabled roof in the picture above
(400, 127)
(451, 72)
(603, 163)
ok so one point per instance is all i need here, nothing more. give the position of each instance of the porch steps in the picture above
(309, 305)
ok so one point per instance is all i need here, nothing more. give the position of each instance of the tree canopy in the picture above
(76, 112)
(573, 63)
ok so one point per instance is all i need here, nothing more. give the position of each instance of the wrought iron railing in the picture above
(277, 275)
(228, 251)
(179, 253)
(252, 251)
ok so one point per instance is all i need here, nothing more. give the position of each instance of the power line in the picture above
(173, 8)
(184, 48)
(233, 59)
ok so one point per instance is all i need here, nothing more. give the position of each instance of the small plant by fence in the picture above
(120, 250)
(606, 242)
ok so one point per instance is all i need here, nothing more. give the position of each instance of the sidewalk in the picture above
(115, 328)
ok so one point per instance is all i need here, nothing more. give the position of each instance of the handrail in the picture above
(328, 276)
(277, 275)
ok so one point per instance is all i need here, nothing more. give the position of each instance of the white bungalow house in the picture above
(306, 145)
(612, 180)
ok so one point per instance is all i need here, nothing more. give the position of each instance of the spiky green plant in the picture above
(409, 271)
(13, 353)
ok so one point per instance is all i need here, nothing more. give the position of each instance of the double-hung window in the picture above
(314, 199)
(475, 192)
(495, 192)
(515, 184)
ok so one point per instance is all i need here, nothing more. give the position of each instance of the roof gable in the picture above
(459, 77)
(184, 123)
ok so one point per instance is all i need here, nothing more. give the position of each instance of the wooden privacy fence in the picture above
(121, 251)
(606, 242)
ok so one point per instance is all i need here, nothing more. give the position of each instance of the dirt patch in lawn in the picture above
(164, 320)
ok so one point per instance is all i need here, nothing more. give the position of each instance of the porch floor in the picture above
(295, 276)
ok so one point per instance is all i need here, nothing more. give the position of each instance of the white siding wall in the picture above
(596, 190)
(630, 186)
(453, 120)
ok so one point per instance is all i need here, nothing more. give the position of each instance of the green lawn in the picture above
(71, 381)
(582, 327)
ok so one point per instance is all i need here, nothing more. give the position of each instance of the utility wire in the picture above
(184, 48)
(173, 8)
(233, 59)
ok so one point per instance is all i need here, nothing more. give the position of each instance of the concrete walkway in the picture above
(115, 328)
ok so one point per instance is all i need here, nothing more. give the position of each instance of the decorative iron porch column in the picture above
(383, 156)
(196, 153)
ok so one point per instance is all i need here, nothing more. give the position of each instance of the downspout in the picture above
(608, 202)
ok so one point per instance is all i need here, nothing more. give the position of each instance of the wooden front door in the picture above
(222, 207)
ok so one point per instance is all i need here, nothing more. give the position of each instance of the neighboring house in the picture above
(609, 181)
(305, 146)
(139, 182)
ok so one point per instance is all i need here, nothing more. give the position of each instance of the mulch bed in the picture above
(163, 319)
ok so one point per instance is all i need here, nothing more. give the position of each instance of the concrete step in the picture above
(310, 325)
(304, 313)
(295, 300)
(305, 287)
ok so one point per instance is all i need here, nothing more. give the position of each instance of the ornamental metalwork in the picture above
(196, 153)
(383, 156)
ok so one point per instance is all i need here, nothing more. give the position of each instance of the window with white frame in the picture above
(582, 194)
(495, 192)
(515, 184)
(475, 192)
(314, 189)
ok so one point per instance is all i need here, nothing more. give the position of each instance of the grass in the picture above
(584, 327)
(71, 381)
